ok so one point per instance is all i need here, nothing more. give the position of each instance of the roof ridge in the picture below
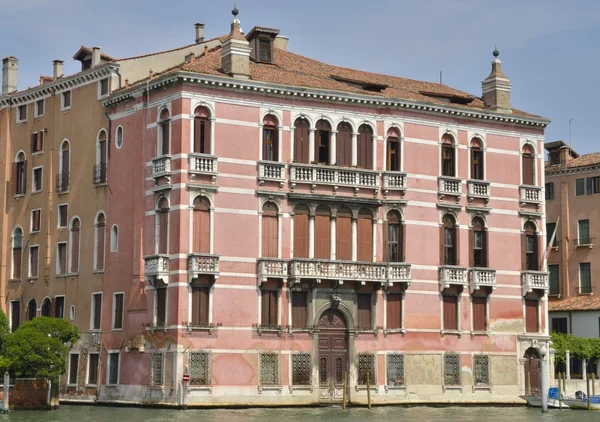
(171, 50)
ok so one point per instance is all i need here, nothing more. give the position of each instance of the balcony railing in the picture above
(202, 164)
(530, 195)
(272, 268)
(63, 182)
(271, 171)
(394, 181)
(161, 166)
(478, 189)
(584, 242)
(100, 173)
(333, 176)
(534, 280)
(202, 264)
(482, 277)
(156, 267)
(449, 186)
(452, 275)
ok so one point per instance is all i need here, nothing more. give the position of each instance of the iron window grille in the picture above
(395, 369)
(301, 369)
(367, 364)
(199, 367)
(451, 369)
(481, 370)
(269, 369)
(156, 368)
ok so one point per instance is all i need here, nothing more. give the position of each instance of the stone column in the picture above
(311, 236)
(354, 148)
(374, 149)
(212, 135)
(279, 143)
(354, 239)
(333, 147)
(584, 369)
(332, 238)
(311, 145)
(292, 132)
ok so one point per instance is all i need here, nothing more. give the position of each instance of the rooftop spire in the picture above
(496, 87)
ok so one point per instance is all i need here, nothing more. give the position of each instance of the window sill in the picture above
(206, 327)
(299, 330)
(117, 329)
(33, 192)
(113, 386)
(267, 329)
(200, 388)
(372, 387)
(95, 330)
(91, 385)
(586, 294)
(63, 192)
(453, 387)
(14, 280)
(32, 278)
(262, 388)
(98, 272)
(36, 153)
(157, 387)
(302, 388)
(71, 385)
(554, 248)
(65, 108)
(34, 232)
(394, 331)
(451, 332)
(487, 388)
(373, 331)
(481, 333)
(585, 245)
(19, 122)
(100, 184)
(61, 275)
(18, 196)
(400, 387)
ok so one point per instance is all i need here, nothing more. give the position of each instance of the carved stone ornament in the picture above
(336, 300)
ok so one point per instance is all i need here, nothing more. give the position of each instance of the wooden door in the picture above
(333, 355)
(532, 372)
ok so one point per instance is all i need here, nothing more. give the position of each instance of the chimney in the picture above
(199, 32)
(496, 88)
(10, 67)
(58, 69)
(281, 42)
(95, 56)
(235, 53)
(565, 155)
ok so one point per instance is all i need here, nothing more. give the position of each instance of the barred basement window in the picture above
(199, 368)
(451, 369)
(156, 368)
(367, 364)
(395, 369)
(269, 369)
(301, 369)
(481, 370)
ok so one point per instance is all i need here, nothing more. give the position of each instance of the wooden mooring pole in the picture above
(564, 382)
(6, 391)
(559, 391)
(593, 384)
(587, 381)
(369, 389)
(344, 392)
(528, 384)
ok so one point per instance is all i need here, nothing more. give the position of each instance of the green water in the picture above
(380, 414)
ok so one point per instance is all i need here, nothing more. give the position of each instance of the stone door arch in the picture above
(532, 367)
(333, 352)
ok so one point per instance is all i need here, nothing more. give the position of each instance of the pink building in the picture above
(281, 224)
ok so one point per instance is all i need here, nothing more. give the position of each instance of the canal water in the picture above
(329, 414)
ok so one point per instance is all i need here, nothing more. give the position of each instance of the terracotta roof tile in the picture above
(222, 39)
(584, 160)
(102, 55)
(575, 303)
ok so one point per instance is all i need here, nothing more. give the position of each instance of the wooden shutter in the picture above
(344, 147)
(442, 246)
(299, 309)
(528, 169)
(102, 153)
(301, 235)
(33, 142)
(301, 142)
(394, 311)
(34, 261)
(97, 310)
(365, 239)
(479, 313)
(322, 237)
(524, 252)
(450, 310)
(17, 256)
(62, 250)
(344, 238)
(269, 236)
(197, 134)
(531, 315)
(118, 311)
(402, 241)
(75, 250)
(365, 149)
(163, 231)
(201, 231)
(471, 247)
(100, 233)
(161, 302)
(589, 185)
(14, 177)
(386, 240)
(200, 295)
(39, 141)
(364, 311)
(269, 308)
(165, 138)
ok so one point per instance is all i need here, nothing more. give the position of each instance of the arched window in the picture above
(270, 145)
(476, 159)
(19, 175)
(17, 252)
(393, 152)
(365, 236)
(343, 147)
(201, 225)
(528, 165)
(322, 142)
(100, 241)
(479, 244)
(101, 158)
(46, 307)
(448, 159)
(301, 139)
(202, 131)
(164, 133)
(323, 233)
(162, 222)
(365, 147)
(119, 137)
(530, 248)
(301, 231)
(394, 238)
(31, 309)
(75, 240)
(64, 166)
(449, 241)
(114, 238)
(269, 230)
(343, 235)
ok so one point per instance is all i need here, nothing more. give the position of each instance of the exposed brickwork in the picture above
(28, 394)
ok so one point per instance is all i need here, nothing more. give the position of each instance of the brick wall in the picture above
(30, 394)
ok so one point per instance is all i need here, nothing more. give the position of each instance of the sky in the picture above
(549, 48)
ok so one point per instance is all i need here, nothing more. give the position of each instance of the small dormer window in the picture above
(554, 158)
(265, 51)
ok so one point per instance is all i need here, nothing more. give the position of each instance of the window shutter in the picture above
(17, 263)
(301, 143)
(100, 246)
(75, 250)
(301, 236)
(322, 237)
(195, 305)
(119, 311)
(163, 230)
(364, 311)
(442, 248)
(524, 252)
(39, 141)
(265, 308)
(479, 313)
(206, 132)
(528, 169)
(35, 263)
(299, 309)
(365, 239)
(24, 176)
(33, 141)
(203, 305)
(201, 231)
(344, 238)
(14, 178)
(197, 134)
(165, 138)
(471, 247)
(589, 185)
(394, 311)
(402, 241)
(386, 250)
(450, 308)
(531, 315)
(97, 310)
(161, 299)
(486, 260)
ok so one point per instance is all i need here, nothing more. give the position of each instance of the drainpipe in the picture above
(3, 223)
(49, 213)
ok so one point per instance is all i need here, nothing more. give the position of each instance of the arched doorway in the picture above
(333, 354)
(532, 371)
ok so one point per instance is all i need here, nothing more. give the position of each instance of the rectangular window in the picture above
(452, 369)
(449, 249)
(15, 315)
(113, 368)
(550, 227)
(118, 311)
(554, 279)
(395, 369)
(364, 311)
(156, 368)
(59, 307)
(93, 361)
(481, 370)
(160, 310)
(269, 308)
(549, 191)
(367, 364)
(269, 144)
(66, 99)
(585, 278)
(532, 315)
(476, 164)
(447, 161)
(63, 210)
(200, 296)
(37, 179)
(579, 187)
(269, 369)
(394, 311)
(199, 368)
(39, 108)
(479, 313)
(96, 311)
(583, 230)
(61, 259)
(553, 158)
(593, 185)
(103, 87)
(265, 51)
(559, 325)
(301, 369)
(450, 305)
(37, 141)
(73, 368)
(36, 220)
(394, 242)
(531, 260)
(22, 112)
(299, 309)
(393, 154)
(479, 254)
(34, 261)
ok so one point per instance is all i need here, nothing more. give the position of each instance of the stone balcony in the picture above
(272, 268)
(482, 278)
(449, 186)
(452, 275)
(271, 171)
(202, 164)
(478, 189)
(333, 176)
(530, 195)
(161, 166)
(156, 267)
(394, 181)
(202, 264)
(534, 280)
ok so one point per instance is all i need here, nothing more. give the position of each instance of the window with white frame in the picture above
(119, 137)
(63, 215)
(117, 320)
(92, 368)
(61, 258)
(112, 373)
(156, 374)
(15, 315)
(73, 368)
(96, 311)
(36, 220)
(37, 180)
(75, 236)
(34, 256)
(65, 100)
(17, 252)
(164, 133)
(22, 113)
(39, 108)
(100, 242)
(103, 87)
(114, 238)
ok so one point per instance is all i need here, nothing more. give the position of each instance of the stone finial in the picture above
(235, 53)
(496, 87)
